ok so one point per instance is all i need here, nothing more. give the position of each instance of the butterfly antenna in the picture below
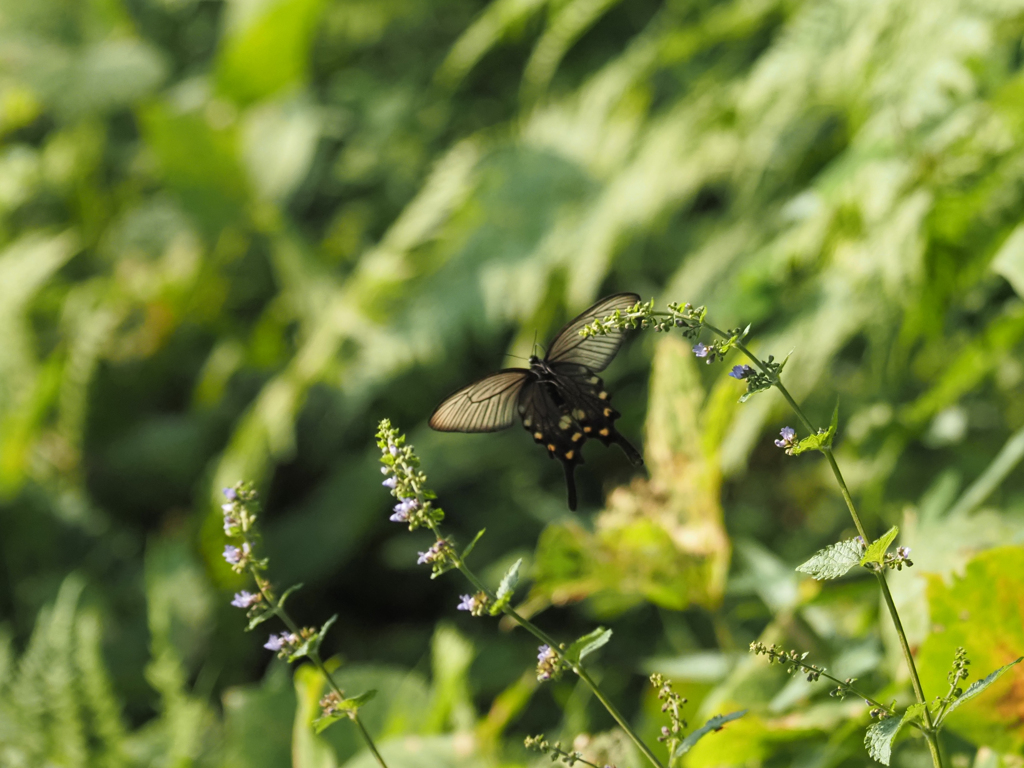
(535, 344)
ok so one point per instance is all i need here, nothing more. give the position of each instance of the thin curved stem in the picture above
(549, 641)
(929, 730)
(278, 610)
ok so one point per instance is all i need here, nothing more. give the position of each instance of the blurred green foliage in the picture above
(235, 233)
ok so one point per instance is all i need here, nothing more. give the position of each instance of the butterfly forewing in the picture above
(595, 352)
(487, 405)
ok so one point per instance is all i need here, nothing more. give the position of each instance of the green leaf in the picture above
(875, 553)
(321, 723)
(834, 560)
(506, 588)
(978, 686)
(255, 621)
(714, 724)
(817, 442)
(880, 735)
(288, 593)
(312, 644)
(753, 389)
(509, 581)
(587, 645)
(469, 547)
(346, 707)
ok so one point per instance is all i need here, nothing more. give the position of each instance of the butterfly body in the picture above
(560, 398)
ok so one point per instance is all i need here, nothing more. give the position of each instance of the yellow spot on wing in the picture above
(569, 455)
(587, 430)
(607, 411)
(577, 436)
(551, 447)
(603, 395)
(538, 435)
(604, 432)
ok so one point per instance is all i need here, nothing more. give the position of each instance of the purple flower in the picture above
(245, 599)
(903, 552)
(230, 524)
(788, 438)
(547, 663)
(432, 555)
(393, 449)
(402, 510)
(468, 603)
(741, 371)
(860, 542)
(227, 507)
(232, 554)
(385, 470)
(275, 642)
(391, 482)
(700, 350)
(230, 494)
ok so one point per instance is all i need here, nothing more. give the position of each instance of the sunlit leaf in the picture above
(716, 723)
(834, 560)
(875, 552)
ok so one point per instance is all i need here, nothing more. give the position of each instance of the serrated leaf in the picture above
(879, 738)
(509, 581)
(587, 645)
(977, 687)
(834, 560)
(714, 724)
(875, 553)
(815, 442)
(914, 712)
(472, 544)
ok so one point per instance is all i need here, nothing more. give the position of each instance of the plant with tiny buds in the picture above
(833, 561)
(241, 512)
(408, 483)
(540, 744)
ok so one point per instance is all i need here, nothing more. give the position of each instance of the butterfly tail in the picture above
(627, 448)
(570, 482)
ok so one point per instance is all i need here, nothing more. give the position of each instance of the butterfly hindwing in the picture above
(595, 352)
(589, 404)
(547, 419)
(487, 405)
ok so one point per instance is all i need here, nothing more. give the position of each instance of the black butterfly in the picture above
(560, 399)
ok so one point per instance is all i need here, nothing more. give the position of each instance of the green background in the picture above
(234, 235)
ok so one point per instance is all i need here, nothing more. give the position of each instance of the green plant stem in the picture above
(278, 610)
(929, 729)
(549, 641)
